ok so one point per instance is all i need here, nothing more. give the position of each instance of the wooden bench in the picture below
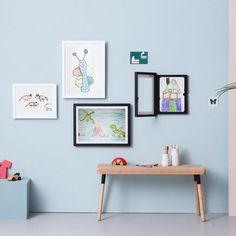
(194, 170)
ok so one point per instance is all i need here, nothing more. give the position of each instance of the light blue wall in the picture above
(181, 36)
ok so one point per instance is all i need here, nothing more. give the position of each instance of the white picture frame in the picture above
(83, 69)
(34, 101)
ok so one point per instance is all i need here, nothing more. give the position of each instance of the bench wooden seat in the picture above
(193, 170)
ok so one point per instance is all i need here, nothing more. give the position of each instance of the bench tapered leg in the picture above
(100, 200)
(196, 196)
(200, 197)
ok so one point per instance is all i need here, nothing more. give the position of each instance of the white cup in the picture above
(175, 157)
(165, 160)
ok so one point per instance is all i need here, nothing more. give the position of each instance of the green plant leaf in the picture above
(226, 88)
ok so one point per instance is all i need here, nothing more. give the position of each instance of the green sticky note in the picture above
(139, 57)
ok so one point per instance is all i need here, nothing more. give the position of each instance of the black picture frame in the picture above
(153, 92)
(96, 124)
(177, 106)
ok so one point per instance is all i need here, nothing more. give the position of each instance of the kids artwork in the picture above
(173, 94)
(84, 69)
(101, 124)
(34, 101)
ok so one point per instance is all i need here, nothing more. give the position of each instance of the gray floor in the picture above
(70, 224)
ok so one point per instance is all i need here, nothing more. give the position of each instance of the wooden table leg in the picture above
(100, 200)
(196, 195)
(199, 189)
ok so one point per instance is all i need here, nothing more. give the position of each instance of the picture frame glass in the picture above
(101, 124)
(145, 94)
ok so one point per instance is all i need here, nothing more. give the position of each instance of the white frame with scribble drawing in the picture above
(46, 109)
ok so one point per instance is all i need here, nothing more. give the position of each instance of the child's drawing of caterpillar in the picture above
(81, 72)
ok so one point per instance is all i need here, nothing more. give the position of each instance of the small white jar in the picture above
(175, 156)
(165, 160)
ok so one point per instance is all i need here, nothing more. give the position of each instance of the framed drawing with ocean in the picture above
(83, 69)
(102, 124)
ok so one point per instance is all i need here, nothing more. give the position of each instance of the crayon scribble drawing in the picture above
(34, 101)
(101, 125)
(171, 94)
(84, 69)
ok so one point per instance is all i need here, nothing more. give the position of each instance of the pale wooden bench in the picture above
(194, 170)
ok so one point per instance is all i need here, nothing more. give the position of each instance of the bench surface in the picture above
(159, 170)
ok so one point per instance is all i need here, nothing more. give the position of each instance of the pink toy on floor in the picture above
(4, 165)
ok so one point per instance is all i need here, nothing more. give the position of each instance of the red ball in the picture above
(119, 161)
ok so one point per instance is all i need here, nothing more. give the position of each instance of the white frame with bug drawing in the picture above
(37, 114)
(98, 90)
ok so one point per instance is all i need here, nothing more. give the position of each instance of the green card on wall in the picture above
(138, 57)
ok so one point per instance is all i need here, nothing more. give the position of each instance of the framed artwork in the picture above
(102, 124)
(83, 69)
(34, 101)
(173, 94)
(145, 94)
